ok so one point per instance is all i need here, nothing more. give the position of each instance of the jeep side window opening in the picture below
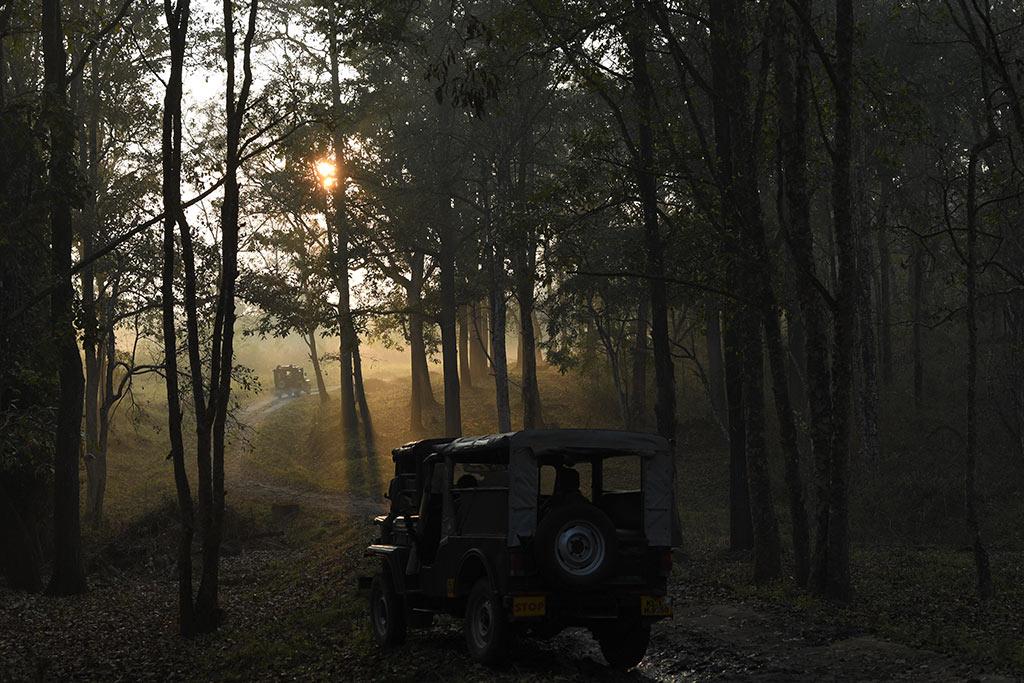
(528, 532)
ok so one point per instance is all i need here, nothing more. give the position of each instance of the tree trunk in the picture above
(498, 356)
(981, 560)
(449, 341)
(836, 582)
(867, 396)
(741, 530)
(364, 406)
(339, 222)
(885, 296)
(448, 256)
(478, 341)
(107, 403)
(68, 576)
(94, 466)
(422, 394)
(790, 445)
(746, 270)
(638, 417)
(495, 261)
(465, 369)
(177, 28)
(526, 264)
(314, 358)
(208, 612)
(654, 244)
(716, 370)
(538, 333)
(917, 318)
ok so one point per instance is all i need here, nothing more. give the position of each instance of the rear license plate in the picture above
(528, 606)
(651, 606)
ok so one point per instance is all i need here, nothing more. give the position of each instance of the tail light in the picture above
(517, 563)
(665, 563)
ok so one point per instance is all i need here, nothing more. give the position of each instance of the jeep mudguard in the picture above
(393, 557)
(474, 565)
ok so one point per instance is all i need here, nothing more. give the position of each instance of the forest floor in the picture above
(293, 551)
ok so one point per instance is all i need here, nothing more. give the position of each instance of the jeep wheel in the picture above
(576, 544)
(387, 612)
(623, 644)
(487, 632)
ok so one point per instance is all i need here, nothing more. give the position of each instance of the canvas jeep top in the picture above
(528, 532)
(290, 380)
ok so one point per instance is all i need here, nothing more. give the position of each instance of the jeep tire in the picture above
(623, 643)
(387, 612)
(487, 629)
(576, 545)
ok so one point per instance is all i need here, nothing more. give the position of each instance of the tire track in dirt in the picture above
(277, 493)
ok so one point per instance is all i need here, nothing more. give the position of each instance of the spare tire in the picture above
(576, 545)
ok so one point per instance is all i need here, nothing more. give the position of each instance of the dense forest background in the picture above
(788, 235)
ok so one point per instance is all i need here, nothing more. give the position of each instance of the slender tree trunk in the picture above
(538, 335)
(716, 370)
(747, 274)
(654, 244)
(917, 305)
(364, 406)
(884, 296)
(449, 341)
(495, 260)
(837, 564)
(867, 395)
(5, 22)
(339, 222)
(741, 530)
(94, 471)
(448, 256)
(639, 404)
(527, 349)
(793, 87)
(107, 403)
(208, 611)
(793, 364)
(422, 394)
(790, 445)
(177, 18)
(314, 358)
(498, 356)
(68, 576)
(465, 371)
(478, 341)
(981, 559)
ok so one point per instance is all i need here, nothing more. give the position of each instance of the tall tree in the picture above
(735, 142)
(177, 17)
(68, 576)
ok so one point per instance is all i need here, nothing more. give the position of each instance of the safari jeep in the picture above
(290, 380)
(527, 533)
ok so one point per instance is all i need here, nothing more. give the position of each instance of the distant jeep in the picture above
(527, 533)
(290, 380)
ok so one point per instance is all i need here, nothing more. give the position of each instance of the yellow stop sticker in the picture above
(655, 606)
(528, 606)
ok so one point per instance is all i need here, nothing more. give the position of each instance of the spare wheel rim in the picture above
(580, 548)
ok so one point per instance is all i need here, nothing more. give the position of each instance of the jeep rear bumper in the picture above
(584, 608)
